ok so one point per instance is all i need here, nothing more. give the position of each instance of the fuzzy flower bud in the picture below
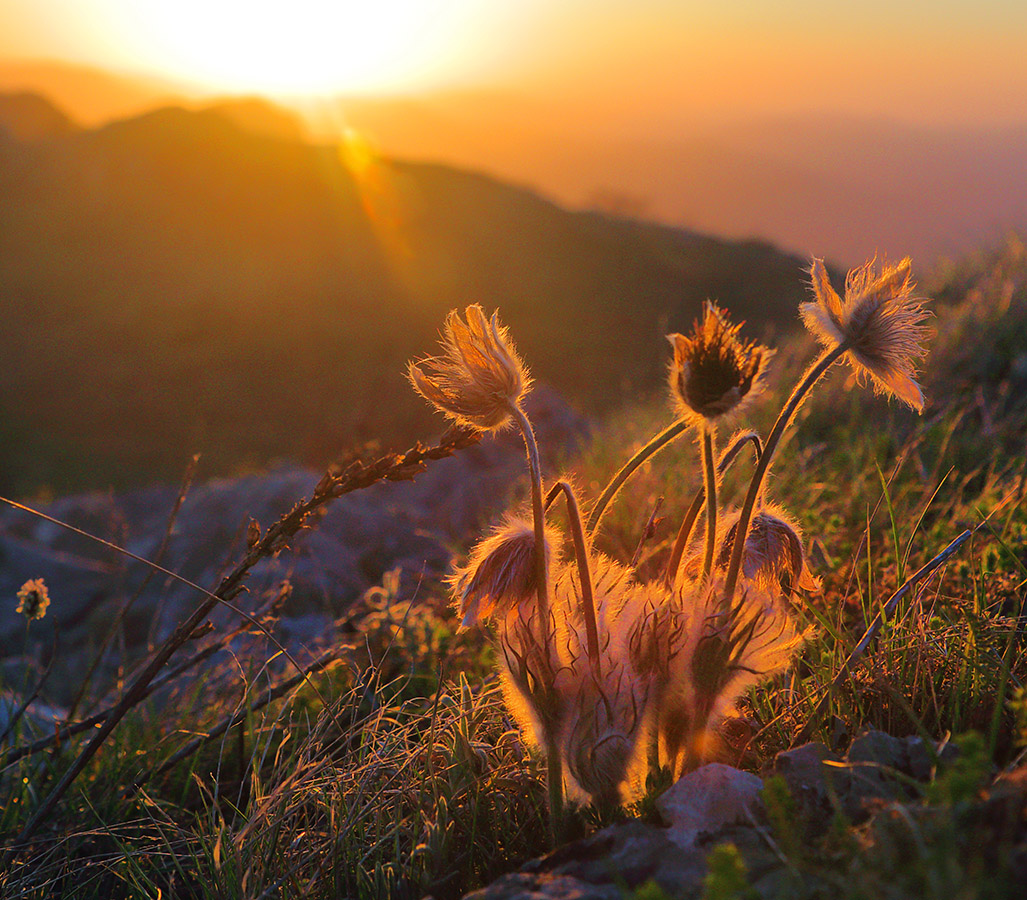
(501, 573)
(713, 371)
(478, 378)
(600, 742)
(774, 556)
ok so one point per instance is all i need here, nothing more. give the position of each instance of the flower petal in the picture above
(826, 295)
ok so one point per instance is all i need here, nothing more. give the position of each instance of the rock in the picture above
(879, 748)
(524, 886)
(919, 763)
(707, 800)
(706, 808)
(876, 761)
(627, 855)
(809, 780)
(37, 720)
(909, 755)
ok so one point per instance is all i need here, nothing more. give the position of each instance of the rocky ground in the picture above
(813, 820)
(411, 529)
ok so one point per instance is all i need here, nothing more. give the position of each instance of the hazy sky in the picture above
(945, 60)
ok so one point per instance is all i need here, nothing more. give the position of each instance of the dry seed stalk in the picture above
(356, 476)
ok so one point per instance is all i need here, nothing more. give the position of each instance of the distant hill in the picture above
(839, 186)
(31, 117)
(90, 94)
(260, 117)
(174, 283)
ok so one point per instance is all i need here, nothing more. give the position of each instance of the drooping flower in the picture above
(774, 557)
(500, 573)
(880, 321)
(478, 378)
(33, 599)
(602, 738)
(714, 371)
(531, 673)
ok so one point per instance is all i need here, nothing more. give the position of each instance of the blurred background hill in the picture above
(842, 184)
(210, 280)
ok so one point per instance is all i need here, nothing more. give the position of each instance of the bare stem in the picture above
(688, 523)
(588, 607)
(538, 516)
(711, 499)
(617, 482)
(815, 372)
(554, 766)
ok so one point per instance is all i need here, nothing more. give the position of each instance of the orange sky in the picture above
(632, 64)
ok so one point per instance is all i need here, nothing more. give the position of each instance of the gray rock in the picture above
(822, 784)
(707, 800)
(919, 761)
(37, 720)
(524, 886)
(879, 748)
(876, 763)
(810, 781)
(626, 856)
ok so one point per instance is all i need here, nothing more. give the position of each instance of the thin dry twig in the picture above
(27, 702)
(647, 531)
(69, 729)
(187, 480)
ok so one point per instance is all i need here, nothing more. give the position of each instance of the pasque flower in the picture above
(501, 572)
(713, 370)
(774, 557)
(728, 652)
(479, 378)
(479, 381)
(879, 321)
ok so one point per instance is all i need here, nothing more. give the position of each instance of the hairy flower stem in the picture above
(699, 500)
(554, 766)
(588, 606)
(815, 372)
(711, 499)
(617, 482)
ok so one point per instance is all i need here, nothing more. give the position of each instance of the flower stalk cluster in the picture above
(612, 675)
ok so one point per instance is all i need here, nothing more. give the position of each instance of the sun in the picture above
(298, 47)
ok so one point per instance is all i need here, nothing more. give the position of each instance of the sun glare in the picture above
(302, 47)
